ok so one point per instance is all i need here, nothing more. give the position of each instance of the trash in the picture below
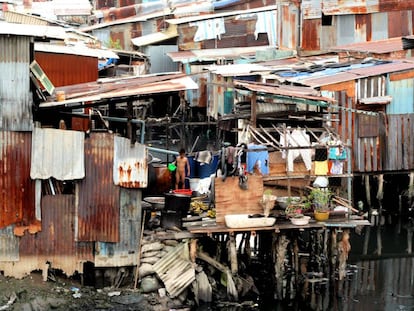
(77, 295)
(111, 294)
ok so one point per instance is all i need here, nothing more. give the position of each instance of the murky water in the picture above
(380, 275)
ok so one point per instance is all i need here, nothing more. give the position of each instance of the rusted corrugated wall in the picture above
(98, 212)
(17, 200)
(56, 242)
(65, 69)
(15, 96)
(239, 33)
(123, 253)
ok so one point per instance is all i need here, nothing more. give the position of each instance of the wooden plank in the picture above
(230, 199)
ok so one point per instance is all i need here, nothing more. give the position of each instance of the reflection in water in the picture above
(379, 276)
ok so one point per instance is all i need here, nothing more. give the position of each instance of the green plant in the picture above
(320, 198)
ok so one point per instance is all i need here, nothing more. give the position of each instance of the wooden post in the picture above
(253, 110)
(233, 254)
(380, 195)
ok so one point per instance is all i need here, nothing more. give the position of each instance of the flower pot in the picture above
(321, 215)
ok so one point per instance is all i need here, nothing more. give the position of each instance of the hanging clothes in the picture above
(298, 138)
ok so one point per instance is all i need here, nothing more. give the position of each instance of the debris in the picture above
(12, 299)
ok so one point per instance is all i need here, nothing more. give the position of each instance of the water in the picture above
(379, 275)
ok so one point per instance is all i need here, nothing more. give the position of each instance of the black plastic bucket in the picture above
(176, 207)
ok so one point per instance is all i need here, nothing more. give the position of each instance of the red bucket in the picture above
(183, 191)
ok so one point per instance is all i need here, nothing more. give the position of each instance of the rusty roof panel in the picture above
(399, 23)
(56, 242)
(130, 164)
(375, 47)
(123, 87)
(98, 213)
(321, 79)
(338, 7)
(215, 54)
(17, 200)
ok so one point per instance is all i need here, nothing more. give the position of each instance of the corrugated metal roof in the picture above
(17, 199)
(322, 78)
(333, 7)
(237, 69)
(130, 164)
(16, 17)
(170, 33)
(123, 87)
(376, 47)
(33, 30)
(57, 153)
(98, 213)
(176, 270)
(291, 91)
(215, 54)
(190, 19)
(78, 49)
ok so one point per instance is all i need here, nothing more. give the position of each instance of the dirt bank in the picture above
(33, 294)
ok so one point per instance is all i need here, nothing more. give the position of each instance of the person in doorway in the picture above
(183, 169)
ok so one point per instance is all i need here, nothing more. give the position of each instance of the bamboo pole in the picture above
(139, 250)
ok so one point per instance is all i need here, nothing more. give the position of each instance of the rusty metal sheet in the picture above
(311, 9)
(375, 47)
(125, 252)
(355, 73)
(338, 7)
(130, 164)
(280, 90)
(215, 54)
(311, 34)
(17, 199)
(56, 242)
(98, 212)
(123, 87)
(73, 69)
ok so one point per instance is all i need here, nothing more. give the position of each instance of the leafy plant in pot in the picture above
(321, 202)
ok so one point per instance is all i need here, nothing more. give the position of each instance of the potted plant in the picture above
(296, 208)
(321, 202)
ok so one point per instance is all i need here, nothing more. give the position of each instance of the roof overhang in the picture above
(119, 89)
(170, 33)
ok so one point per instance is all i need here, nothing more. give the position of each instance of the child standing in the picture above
(182, 164)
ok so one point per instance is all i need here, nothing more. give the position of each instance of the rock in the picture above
(150, 260)
(146, 269)
(150, 284)
(129, 299)
(150, 254)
